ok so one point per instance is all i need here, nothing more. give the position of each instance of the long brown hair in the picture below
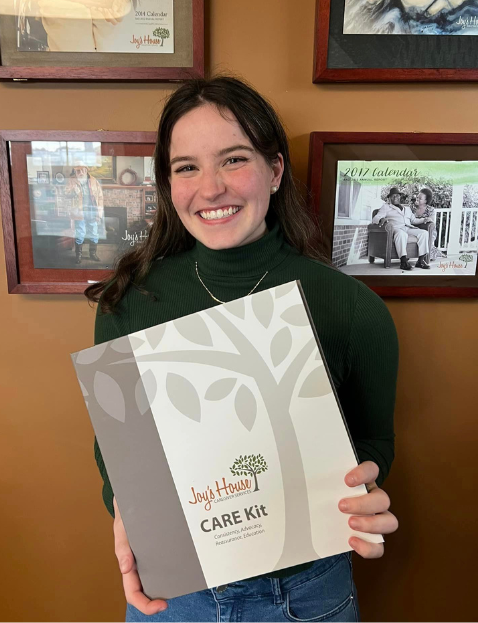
(168, 235)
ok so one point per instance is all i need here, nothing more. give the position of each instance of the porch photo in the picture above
(405, 218)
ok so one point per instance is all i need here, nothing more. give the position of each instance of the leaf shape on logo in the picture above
(90, 355)
(109, 396)
(155, 335)
(246, 407)
(194, 329)
(316, 384)
(84, 391)
(281, 345)
(295, 316)
(220, 389)
(263, 307)
(183, 396)
(285, 289)
(145, 391)
(237, 308)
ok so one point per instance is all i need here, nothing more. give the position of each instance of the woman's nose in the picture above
(212, 185)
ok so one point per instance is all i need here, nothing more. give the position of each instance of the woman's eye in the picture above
(235, 160)
(186, 169)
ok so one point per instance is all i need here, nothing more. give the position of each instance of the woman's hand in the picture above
(131, 583)
(369, 512)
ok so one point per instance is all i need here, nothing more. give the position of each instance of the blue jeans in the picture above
(86, 229)
(324, 592)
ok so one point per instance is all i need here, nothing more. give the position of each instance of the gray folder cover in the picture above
(224, 442)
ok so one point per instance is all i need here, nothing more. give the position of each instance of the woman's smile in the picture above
(219, 214)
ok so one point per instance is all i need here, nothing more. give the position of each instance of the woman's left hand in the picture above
(369, 512)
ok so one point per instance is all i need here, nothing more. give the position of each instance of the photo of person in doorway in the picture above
(87, 211)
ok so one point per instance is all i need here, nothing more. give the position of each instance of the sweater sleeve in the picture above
(108, 327)
(367, 395)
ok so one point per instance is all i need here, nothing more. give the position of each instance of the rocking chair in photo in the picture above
(380, 242)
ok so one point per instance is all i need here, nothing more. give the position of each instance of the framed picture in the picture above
(43, 177)
(64, 225)
(396, 40)
(136, 40)
(399, 211)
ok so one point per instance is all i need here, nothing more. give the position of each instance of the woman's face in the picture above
(220, 185)
(422, 199)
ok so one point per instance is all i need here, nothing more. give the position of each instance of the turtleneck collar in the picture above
(250, 260)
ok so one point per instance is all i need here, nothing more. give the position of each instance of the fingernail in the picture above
(343, 505)
(352, 480)
(353, 542)
(123, 564)
(353, 523)
(162, 608)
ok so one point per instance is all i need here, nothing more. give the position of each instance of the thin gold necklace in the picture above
(218, 300)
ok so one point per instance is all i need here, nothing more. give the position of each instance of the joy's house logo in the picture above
(246, 465)
(468, 22)
(159, 35)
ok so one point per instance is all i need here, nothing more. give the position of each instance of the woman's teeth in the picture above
(217, 214)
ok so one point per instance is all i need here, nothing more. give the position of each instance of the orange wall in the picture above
(56, 543)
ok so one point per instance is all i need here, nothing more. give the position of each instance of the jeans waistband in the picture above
(275, 587)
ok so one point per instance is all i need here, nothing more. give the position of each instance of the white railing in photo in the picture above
(468, 229)
(469, 225)
(443, 219)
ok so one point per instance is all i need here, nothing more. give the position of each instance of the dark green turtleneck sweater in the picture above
(354, 326)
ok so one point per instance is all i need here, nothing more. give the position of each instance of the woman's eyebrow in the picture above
(222, 152)
(181, 159)
(228, 150)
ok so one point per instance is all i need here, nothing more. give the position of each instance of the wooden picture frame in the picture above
(185, 63)
(378, 58)
(348, 243)
(41, 223)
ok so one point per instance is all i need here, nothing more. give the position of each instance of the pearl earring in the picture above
(274, 189)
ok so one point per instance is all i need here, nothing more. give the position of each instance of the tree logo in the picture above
(251, 465)
(161, 33)
(466, 257)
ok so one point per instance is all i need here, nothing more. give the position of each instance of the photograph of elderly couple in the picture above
(417, 218)
(411, 17)
(86, 209)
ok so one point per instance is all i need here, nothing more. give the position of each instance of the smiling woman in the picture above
(220, 146)
(230, 221)
(221, 194)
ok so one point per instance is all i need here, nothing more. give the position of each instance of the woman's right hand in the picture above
(131, 583)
